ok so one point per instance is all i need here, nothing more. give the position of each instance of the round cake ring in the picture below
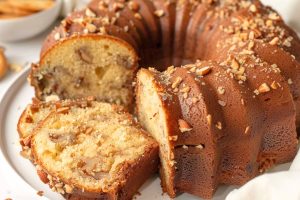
(21, 173)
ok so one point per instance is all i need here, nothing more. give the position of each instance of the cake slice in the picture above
(204, 121)
(188, 154)
(36, 112)
(87, 56)
(96, 151)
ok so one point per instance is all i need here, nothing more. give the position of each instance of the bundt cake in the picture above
(208, 130)
(230, 112)
(91, 150)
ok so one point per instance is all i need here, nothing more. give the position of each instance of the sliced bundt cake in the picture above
(214, 129)
(96, 151)
(161, 33)
(224, 120)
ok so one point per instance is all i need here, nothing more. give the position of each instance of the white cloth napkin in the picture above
(273, 186)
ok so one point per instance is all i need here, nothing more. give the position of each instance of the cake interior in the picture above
(90, 150)
(99, 66)
(153, 118)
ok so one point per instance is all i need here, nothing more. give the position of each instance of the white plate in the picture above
(23, 172)
(18, 178)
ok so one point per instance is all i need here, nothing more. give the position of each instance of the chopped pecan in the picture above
(184, 126)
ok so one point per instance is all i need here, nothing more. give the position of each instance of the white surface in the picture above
(29, 26)
(18, 179)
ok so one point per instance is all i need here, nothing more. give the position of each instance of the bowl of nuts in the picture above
(22, 19)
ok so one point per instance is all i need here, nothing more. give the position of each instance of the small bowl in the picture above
(26, 27)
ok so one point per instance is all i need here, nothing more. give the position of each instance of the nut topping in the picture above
(235, 64)
(91, 28)
(263, 88)
(126, 28)
(134, 6)
(251, 35)
(222, 103)
(138, 15)
(89, 13)
(57, 36)
(219, 125)
(203, 71)
(173, 138)
(274, 41)
(185, 89)
(43, 176)
(176, 82)
(68, 189)
(102, 30)
(274, 85)
(40, 193)
(184, 126)
(274, 16)
(63, 110)
(253, 8)
(159, 13)
(52, 97)
(251, 45)
(118, 6)
(25, 141)
(221, 90)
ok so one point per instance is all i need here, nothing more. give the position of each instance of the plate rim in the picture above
(7, 165)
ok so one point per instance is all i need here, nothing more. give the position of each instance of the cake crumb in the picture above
(40, 193)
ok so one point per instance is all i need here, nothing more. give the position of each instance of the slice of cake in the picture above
(36, 112)
(93, 151)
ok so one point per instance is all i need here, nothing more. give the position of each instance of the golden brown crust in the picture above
(135, 175)
(50, 46)
(210, 153)
(130, 176)
(28, 121)
(87, 22)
